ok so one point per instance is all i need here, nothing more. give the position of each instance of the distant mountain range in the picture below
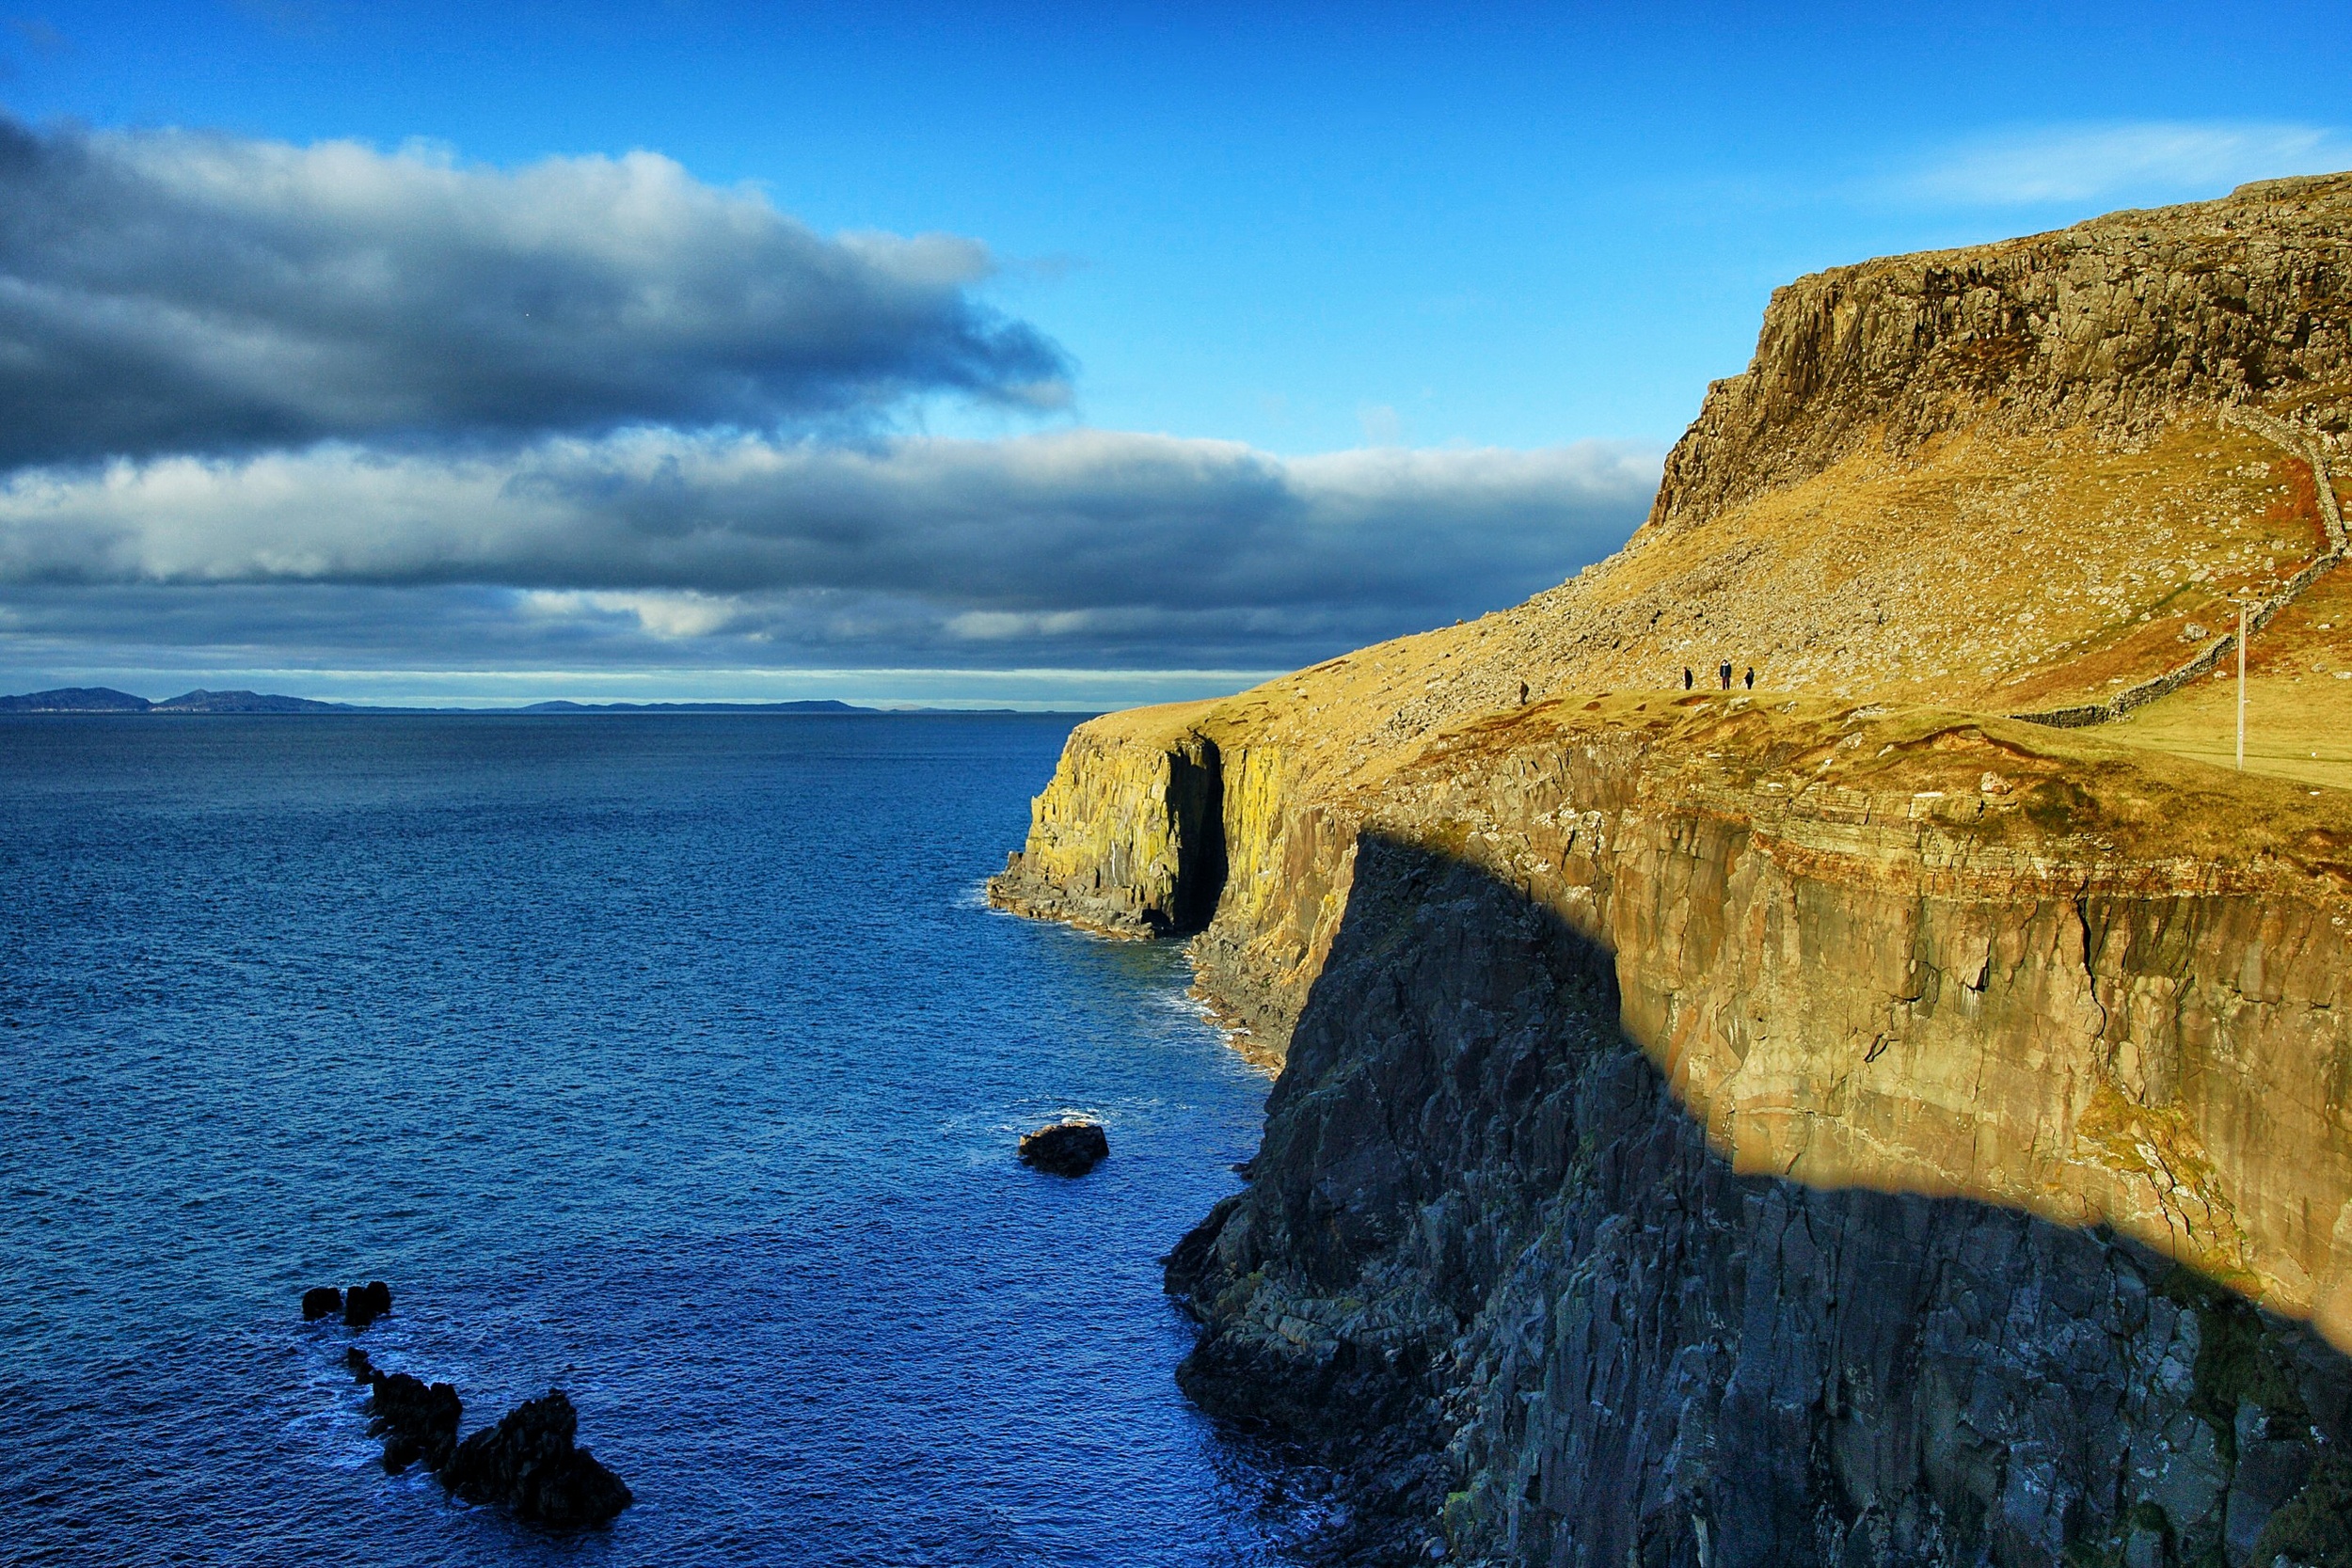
(105, 699)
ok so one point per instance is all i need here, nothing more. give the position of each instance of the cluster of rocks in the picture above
(528, 1464)
(359, 1307)
(1066, 1149)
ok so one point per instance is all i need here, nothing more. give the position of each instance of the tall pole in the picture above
(2241, 686)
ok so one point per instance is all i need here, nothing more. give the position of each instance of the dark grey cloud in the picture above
(1075, 520)
(1081, 547)
(183, 292)
(55, 636)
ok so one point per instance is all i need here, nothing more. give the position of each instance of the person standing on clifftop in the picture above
(1686, 677)
(1724, 674)
(1750, 677)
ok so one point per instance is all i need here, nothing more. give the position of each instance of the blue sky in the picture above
(1287, 234)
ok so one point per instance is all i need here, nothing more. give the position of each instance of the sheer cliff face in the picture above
(1491, 1265)
(1126, 840)
(1786, 1128)
(2119, 326)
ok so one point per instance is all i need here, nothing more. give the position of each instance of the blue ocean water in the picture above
(671, 1061)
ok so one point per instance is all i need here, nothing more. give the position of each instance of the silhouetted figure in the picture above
(1686, 677)
(1522, 693)
(1750, 677)
(1725, 673)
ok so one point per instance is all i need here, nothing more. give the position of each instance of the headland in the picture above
(1898, 1111)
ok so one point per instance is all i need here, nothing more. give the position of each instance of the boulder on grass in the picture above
(1066, 1149)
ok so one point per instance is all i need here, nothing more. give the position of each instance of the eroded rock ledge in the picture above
(1717, 1132)
(1126, 841)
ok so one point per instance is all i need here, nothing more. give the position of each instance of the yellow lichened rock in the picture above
(1116, 839)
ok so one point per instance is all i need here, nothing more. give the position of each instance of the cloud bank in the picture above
(1092, 545)
(281, 406)
(181, 292)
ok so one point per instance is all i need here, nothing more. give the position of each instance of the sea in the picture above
(674, 1061)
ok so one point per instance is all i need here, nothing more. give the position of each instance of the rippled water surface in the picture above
(668, 1060)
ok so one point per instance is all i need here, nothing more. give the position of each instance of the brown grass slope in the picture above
(1993, 479)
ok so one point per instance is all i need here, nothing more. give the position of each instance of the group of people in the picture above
(1722, 673)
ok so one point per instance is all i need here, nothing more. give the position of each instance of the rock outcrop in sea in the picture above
(364, 1304)
(417, 1421)
(527, 1463)
(1066, 1148)
(1835, 1124)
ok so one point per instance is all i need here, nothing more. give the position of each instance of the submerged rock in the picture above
(528, 1464)
(364, 1304)
(1066, 1149)
(323, 1301)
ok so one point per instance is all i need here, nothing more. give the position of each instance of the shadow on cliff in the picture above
(1491, 1270)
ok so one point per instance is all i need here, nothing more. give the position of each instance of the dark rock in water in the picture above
(364, 1304)
(416, 1419)
(528, 1464)
(323, 1302)
(1065, 1148)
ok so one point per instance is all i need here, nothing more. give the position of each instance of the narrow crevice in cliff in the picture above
(1196, 806)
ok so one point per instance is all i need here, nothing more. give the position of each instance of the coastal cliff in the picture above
(1126, 840)
(1826, 1124)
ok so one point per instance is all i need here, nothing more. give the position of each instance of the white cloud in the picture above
(664, 615)
(2157, 160)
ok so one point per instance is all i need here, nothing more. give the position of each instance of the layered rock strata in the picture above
(1901, 1239)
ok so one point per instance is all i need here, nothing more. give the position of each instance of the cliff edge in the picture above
(1838, 1121)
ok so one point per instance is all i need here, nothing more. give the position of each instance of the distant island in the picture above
(105, 699)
